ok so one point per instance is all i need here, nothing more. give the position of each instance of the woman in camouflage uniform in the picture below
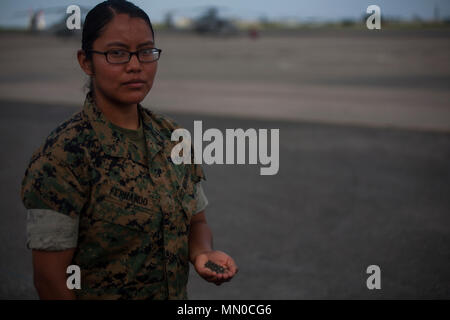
(102, 192)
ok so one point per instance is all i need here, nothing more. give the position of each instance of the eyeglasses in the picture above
(124, 56)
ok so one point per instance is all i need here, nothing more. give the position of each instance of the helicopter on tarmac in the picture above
(209, 22)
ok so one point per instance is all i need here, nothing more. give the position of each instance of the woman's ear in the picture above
(85, 63)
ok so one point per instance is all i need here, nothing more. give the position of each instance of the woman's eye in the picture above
(147, 52)
(117, 53)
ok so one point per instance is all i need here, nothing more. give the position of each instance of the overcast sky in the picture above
(320, 10)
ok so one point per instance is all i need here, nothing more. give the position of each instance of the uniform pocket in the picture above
(122, 246)
(127, 215)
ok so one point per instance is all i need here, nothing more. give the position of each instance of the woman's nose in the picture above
(134, 63)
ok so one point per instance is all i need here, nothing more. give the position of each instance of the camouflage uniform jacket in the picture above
(134, 217)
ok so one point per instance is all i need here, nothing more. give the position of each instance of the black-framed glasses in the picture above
(118, 56)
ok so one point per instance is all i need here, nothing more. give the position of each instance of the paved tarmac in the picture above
(364, 177)
(345, 197)
(377, 78)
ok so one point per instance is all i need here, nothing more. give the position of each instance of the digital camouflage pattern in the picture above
(134, 216)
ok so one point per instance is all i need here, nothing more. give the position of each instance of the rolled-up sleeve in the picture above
(200, 197)
(54, 196)
(50, 230)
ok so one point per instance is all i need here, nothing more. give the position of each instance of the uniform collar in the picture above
(114, 142)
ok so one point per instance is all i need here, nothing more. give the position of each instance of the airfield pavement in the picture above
(364, 120)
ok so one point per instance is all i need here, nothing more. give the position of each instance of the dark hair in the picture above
(99, 16)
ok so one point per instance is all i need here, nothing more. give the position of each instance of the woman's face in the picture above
(112, 80)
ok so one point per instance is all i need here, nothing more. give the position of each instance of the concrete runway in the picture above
(391, 79)
(345, 197)
(364, 176)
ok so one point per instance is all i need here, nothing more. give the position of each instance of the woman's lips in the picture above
(134, 84)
